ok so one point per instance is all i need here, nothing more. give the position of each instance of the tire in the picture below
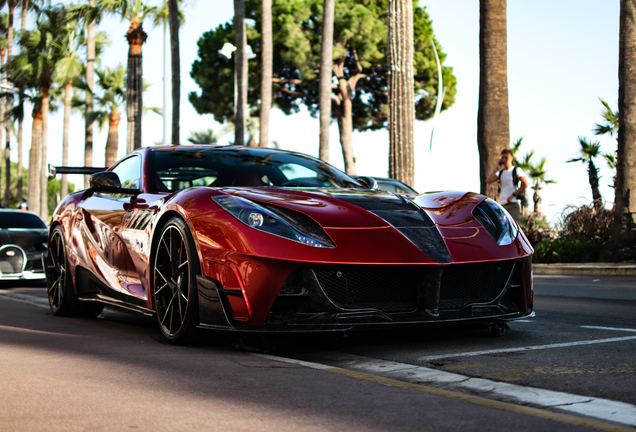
(58, 281)
(175, 269)
(62, 300)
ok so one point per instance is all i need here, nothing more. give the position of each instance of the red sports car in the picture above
(263, 240)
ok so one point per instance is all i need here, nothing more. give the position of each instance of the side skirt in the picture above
(118, 304)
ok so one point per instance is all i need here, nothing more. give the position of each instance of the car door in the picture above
(102, 216)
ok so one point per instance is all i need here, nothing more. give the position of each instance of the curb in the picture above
(593, 269)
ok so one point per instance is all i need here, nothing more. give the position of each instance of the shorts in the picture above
(514, 209)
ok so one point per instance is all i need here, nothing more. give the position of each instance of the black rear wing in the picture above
(53, 171)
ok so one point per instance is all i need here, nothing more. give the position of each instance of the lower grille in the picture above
(11, 260)
(464, 285)
(387, 291)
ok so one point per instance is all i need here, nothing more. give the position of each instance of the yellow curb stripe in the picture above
(535, 412)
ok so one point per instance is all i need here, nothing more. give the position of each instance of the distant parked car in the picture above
(386, 184)
(23, 237)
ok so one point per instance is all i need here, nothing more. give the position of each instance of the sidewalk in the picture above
(584, 269)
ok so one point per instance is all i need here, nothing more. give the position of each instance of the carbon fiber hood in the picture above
(406, 217)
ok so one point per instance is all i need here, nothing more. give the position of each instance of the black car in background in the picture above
(23, 237)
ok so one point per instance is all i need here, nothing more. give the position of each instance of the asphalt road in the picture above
(116, 373)
(570, 346)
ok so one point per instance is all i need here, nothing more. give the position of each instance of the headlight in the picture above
(268, 220)
(497, 221)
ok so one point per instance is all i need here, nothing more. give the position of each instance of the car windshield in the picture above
(183, 168)
(395, 186)
(22, 220)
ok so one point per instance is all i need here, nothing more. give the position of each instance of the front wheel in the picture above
(175, 293)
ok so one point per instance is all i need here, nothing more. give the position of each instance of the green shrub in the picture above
(565, 251)
(582, 234)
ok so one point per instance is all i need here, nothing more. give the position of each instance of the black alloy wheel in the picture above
(59, 291)
(58, 281)
(175, 270)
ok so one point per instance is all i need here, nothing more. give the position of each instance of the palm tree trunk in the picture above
(240, 70)
(68, 94)
(345, 127)
(326, 72)
(90, 81)
(622, 244)
(25, 9)
(44, 208)
(266, 72)
(33, 184)
(176, 71)
(592, 173)
(345, 114)
(493, 132)
(113, 137)
(134, 85)
(401, 88)
(9, 102)
(2, 105)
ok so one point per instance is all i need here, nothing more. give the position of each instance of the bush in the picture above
(537, 229)
(583, 232)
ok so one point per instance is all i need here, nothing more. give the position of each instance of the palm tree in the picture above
(590, 150)
(113, 83)
(175, 22)
(267, 65)
(401, 93)
(90, 14)
(68, 67)
(27, 5)
(37, 64)
(326, 72)
(493, 132)
(135, 11)
(240, 70)
(4, 26)
(609, 126)
(622, 244)
(537, 174)
(7, 150)
(162, 16)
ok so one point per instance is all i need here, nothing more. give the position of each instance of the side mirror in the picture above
(108, 181)
(368, 182)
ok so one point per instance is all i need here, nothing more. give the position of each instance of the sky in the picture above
(562, 56)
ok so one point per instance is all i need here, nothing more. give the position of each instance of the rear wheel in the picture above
(59, 289)
(175, 292)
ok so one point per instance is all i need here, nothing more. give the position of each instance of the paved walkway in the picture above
(601, 269)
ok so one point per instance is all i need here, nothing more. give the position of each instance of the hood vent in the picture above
(409, 219)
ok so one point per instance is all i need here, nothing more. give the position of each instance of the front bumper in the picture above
(343, 298)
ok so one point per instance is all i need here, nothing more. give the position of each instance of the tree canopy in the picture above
(360, 32)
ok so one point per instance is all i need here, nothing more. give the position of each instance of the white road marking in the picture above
(528, 348)
(609, 328)
(603, 409)
(25, 298)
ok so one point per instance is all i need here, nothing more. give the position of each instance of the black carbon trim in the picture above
(409, 219)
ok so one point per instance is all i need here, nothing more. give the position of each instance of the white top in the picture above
(507, 188)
